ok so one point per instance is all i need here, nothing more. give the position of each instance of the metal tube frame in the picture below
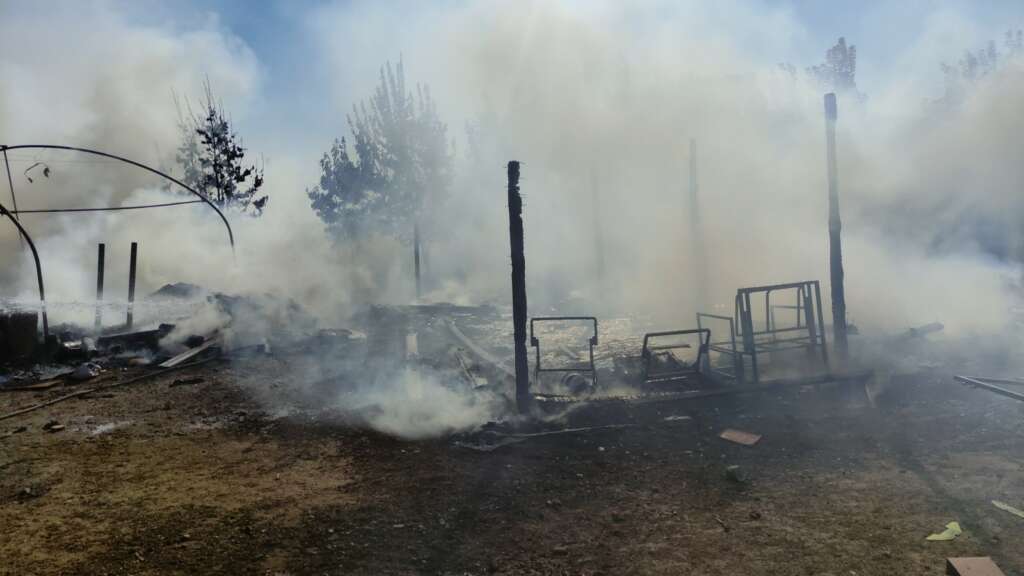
(535, 343)
(757, 342)
(647, 353)
(727, 347)
(984, 383)
(200, 195)
(24, 234)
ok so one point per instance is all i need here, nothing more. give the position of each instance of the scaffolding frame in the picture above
(749, 340)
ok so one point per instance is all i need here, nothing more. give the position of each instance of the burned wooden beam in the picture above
(834, 229)
(515, 225)
(101, 254)
(131, 283)
(416, 256)
(699, 266)
(599, 251)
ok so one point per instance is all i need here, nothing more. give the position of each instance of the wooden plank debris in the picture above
(41, 385)
(740, 437)
(976, 566)
(78, 393)
(190, 353)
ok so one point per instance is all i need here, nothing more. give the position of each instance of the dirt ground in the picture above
(202, 478)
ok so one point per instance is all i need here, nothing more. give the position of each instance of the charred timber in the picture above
(515, 224)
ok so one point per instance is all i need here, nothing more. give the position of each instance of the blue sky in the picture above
(300, 89)
(277, 29)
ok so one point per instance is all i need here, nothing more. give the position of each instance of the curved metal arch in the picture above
(39, 268)
(231, 235)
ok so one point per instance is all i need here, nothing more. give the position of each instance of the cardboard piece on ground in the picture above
(740, 437)
(952, 531)
(980, 566)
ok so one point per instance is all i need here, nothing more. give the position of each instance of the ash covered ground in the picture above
(262, 462)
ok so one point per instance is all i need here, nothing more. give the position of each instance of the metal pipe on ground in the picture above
(977, 382)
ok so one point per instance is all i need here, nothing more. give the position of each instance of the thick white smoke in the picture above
(599, 102)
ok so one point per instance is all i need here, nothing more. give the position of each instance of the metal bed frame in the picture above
(535, 343)
(808, 333)
(683, 372)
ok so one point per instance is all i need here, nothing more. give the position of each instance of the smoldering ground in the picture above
(599, 102)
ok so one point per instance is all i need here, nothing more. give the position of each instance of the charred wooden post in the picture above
(599, 254)
(416, 255)
(697, 237)
(834, 228)
(98, 324)
(131, 283)
(515, 227)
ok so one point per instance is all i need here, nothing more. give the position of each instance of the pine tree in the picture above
(187, 154)
(398, 168)
(839, 70)
(213, 161)
(974, 66)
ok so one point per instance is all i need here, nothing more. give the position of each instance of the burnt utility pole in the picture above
(416, 255)
(834, 240)
(599, 265)
(515, 230)
(98, 325)
(131, 283)
(696, 234)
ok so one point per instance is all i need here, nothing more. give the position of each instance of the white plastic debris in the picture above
(86, 371)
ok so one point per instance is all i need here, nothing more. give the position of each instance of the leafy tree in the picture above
(398, 168)
(1014, 42)
(187, 154)
(839, 70)
(347, 197)
(788, 69)
(976, 65)
(212, 159)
